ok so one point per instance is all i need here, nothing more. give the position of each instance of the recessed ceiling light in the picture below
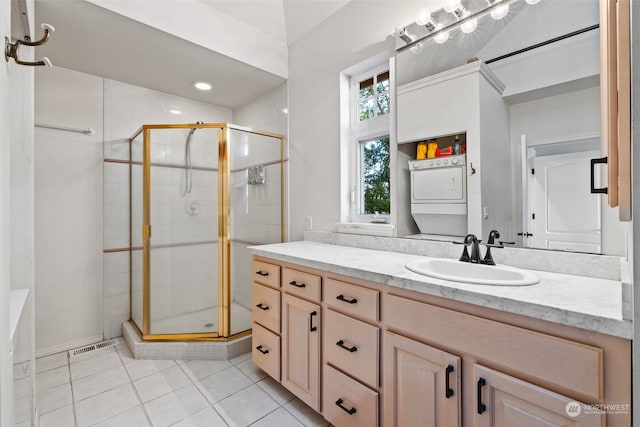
(175, 111)
(202, 85)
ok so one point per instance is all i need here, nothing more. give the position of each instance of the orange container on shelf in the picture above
(421, 152)
(432, 149)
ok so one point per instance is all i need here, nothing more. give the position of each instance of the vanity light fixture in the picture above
(402, 33)
(465, 20)
(441, 37)
(424, 18)
(455, 7)
(500, 11)
(469, 26)
(201, 85)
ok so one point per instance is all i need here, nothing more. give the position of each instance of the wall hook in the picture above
(11, 49)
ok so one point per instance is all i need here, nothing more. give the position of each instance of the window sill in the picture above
(369, 229)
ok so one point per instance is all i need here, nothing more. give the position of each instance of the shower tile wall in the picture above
(126, 108)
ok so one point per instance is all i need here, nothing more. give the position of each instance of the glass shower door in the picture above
(181, 211)
(256, 169)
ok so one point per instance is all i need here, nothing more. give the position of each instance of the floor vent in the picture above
(91, 349)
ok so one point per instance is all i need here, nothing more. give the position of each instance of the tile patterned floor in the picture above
(111, 388)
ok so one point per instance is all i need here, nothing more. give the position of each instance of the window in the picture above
(373, 96)
(369, 150)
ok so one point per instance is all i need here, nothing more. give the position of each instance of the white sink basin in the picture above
(480, 274)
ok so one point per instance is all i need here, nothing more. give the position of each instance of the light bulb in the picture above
(451, 5)
(417, 48)
(441, 37)
(500, 12)
(424, 15)
(532, 1)
(469, 26)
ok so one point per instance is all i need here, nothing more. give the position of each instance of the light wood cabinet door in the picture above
(505, 401)
(301, 349)
(421, 384)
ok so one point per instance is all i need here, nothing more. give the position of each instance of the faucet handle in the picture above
(506, 243)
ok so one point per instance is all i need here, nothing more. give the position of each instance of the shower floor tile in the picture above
(161, 392)
(202, 321)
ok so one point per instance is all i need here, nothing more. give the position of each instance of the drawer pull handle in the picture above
(448, 391)
(262, 273)
(481, 406)
(340, 405)
(349, 349)
(297, 285)
(348, 301)
(263, 307)
(259, 348)
(311, 327)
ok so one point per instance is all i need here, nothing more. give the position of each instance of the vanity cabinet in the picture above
(368, 354)
(265, 350)
(301, 349)
(505, 401)
(422, 384)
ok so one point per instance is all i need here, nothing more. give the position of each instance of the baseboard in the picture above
(68, 345)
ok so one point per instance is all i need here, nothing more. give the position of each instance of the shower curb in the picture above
(201, 350)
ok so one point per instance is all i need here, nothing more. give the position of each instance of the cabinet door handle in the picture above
(311, 327)
(259, 348)
(348, 301)
(448, 391)
(595, 190)
(296, 284)
(349, 349)
(263, 307)
(349, 411)
(262, 273)
(481, 406)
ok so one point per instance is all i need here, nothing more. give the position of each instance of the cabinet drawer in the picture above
(352, 346)
(266, 307)
(265, 350)
(346, 402)
(305, 285)
(352, 299)
(267, 274)
(556, 361)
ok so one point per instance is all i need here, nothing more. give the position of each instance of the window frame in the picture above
(361, 131)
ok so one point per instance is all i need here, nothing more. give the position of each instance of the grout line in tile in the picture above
(73, 402)
(266, 415)
(198, 386)
(135, 390)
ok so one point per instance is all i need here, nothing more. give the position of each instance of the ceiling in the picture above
(232, 44)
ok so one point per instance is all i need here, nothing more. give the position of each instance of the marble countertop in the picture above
(583, 302)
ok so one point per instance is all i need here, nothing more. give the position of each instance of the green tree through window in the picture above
(375, 175)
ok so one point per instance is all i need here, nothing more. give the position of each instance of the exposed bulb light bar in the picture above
(465, 20)
(500, 11)
(424, 18)
(402, 33)
(455, 7)
(469, 26)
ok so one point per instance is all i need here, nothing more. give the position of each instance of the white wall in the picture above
(68, 218)
(355, 33)
(16, 210)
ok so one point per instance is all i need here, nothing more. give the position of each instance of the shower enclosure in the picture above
(200, 195)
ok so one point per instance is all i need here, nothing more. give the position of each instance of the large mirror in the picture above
(540, 126)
